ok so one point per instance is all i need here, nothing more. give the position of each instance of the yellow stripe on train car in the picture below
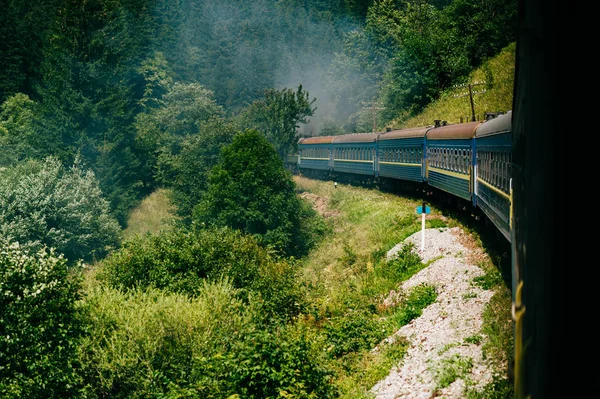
(495, 189)
(464, 176)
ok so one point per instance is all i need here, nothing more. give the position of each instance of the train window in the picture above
(494, 170)
(454, 160)
(445, 158)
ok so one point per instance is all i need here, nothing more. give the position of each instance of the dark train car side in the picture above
(493, 174)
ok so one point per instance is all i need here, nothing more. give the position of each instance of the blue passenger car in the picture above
(493, 172)
(402, 154)
(355, 153)
(451, 159)
(315, 153)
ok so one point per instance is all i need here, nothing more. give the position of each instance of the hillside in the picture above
(454, 106)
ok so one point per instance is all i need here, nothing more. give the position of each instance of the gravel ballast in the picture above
(446, 339)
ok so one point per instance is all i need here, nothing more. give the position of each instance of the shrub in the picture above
(180, 260)
(402, 266)
(358, 330)
(152, 344)
(250, 190)
(40, 326)
(42, 204)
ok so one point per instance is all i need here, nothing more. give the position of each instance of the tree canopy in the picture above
(250, 190)
(44, 204)
(278, 117)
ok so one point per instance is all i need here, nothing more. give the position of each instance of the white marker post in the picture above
(423, 210)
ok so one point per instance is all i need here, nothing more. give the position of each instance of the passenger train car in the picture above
(469, 162)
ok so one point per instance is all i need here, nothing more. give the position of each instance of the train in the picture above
(468, 163)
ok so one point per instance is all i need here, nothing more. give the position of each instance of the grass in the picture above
(155, 213)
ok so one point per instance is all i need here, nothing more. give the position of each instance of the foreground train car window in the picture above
(493, 140)
(449, 147)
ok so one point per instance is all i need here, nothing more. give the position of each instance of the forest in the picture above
(103, 102)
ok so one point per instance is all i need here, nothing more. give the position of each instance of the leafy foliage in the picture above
(278, 117)
(180, 261)
(209, 346)
(40, 326)
(191, 167)
(179, 114)
(17, 133)
(42, 204)
(250, 190)
(353, 332)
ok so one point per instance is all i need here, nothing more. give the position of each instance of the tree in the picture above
(17, 134)
(178, 115)
(278, 117)
(40, 325)
(250, 190)
(191, 167)
(42, 204)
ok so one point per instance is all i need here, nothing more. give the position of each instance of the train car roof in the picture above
(356, 138)
(405, 133)
(498, 125)
(457, 131)
(316, 140)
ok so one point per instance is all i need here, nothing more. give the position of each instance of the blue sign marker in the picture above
(420, 210)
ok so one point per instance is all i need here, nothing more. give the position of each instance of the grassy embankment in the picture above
(453, 106)
(155, 213)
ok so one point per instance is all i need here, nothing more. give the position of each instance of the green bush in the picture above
(250, 190)
(180, 260)
(355, 331)
(41, 203)
(40, 325)
(151, 344)
(287, 362)
(402, 266)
